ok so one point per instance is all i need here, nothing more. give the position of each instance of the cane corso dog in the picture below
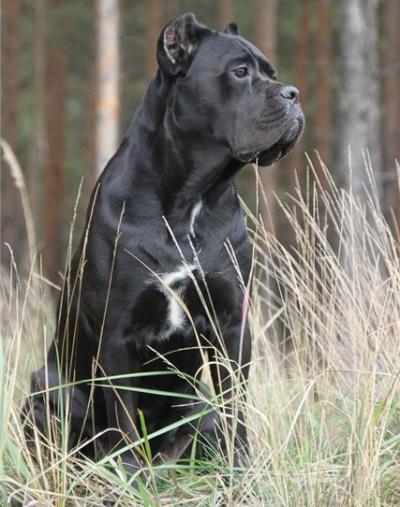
(158, 283)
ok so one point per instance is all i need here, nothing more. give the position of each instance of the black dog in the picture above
(154, 284)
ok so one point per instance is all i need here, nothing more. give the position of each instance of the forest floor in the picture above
(322, 410)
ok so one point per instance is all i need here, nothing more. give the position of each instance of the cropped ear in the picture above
(231, 29)
(178, 44)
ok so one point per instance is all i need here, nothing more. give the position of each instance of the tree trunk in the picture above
(54, 198)
(266, 35)
(38, 146)
(359, 94)
(225, 14)
(10, 209)
(10, 81)
(391, 104)
(266, 32)
(296, 160)
(154, 26)
(323, 118)
(91, 174)
(108, 70)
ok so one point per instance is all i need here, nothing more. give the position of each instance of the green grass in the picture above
(322, 408)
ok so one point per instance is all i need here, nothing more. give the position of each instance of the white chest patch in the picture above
(173, 285)
(193, 215)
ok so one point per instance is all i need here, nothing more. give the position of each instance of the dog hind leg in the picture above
(54, 407)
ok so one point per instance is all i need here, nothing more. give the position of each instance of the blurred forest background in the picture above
(74, 71)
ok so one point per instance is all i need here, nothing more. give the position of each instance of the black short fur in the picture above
(200, 121)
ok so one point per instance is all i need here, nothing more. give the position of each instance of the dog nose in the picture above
(290, 92)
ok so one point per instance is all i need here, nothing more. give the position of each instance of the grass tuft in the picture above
(322, 407)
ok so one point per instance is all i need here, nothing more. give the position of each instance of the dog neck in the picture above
(152, 161)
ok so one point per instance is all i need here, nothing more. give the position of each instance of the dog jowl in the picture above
(152, 305)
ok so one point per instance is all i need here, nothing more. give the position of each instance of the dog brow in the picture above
(263, 63)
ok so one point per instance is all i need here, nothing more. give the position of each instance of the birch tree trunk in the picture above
(359, 105)
(391, 105)
(108, 70)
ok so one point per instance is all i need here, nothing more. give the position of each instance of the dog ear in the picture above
(178, 44)
(231, 29)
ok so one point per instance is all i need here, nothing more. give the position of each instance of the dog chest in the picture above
(159, 310)
(174, 301)
(173, 285)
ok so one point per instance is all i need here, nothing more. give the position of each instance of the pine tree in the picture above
(266, 34)
(54, 172)
(108, 70)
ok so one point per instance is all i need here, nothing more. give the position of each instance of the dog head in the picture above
(223, 86)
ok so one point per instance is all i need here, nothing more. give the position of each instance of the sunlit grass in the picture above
(322, 406)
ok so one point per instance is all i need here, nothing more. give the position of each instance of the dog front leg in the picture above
(120, 398)
(205, 426)
(235, 346)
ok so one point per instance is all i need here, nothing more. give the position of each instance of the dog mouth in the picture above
(280, 148)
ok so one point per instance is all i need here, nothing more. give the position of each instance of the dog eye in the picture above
(241, 72)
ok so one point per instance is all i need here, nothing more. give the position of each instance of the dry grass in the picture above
(323, 401)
